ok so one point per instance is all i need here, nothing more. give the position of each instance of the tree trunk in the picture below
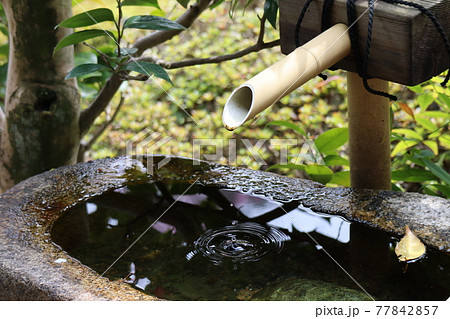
(39, 129)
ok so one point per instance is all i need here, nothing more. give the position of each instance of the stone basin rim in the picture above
(27, 258)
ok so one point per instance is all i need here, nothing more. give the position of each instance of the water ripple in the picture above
(239, 243)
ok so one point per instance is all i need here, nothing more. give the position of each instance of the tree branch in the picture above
(258, 46)
(88, 116)
(186, 20)
(214, 59)
(86, 146)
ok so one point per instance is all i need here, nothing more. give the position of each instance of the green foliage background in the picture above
(192, 107)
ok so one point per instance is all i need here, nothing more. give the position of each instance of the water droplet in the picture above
(239, 242)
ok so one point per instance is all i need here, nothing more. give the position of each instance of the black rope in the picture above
(362, 63)
(297, 31)
(299, 23)
(326, 14)
(367, 55)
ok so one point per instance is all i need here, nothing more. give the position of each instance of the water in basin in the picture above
(182, 241)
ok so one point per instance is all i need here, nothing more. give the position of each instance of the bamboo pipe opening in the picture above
(238, 107)
(283, 77)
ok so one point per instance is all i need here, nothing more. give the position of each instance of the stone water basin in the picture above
(62, 229)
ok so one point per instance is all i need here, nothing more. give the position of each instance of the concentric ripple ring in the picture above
(239, 243)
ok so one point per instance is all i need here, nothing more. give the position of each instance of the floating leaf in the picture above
(88, 18)
(148, 68)
(409, 248)
(84, 69)
(80, 36)
(150, 22)
(288, 125)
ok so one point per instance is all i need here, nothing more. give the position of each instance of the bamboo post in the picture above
(369, 134)
(370, 167)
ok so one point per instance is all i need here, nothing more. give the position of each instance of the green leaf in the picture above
(396, 188)
(127, 51)
(271, 11)
(287, 166)
(422, 153)
(444, 189)
(184, 3)
(444, 98)
(437, 114)
(3, 73)
(4, 29)
(433, 145)
(319, 173)
(330, 140)
(4, 49)
(437, 171)
(416, 89)
(341, 178)
(148, 3)
(426, 123)
(88, 18)
(215, 4)
(150, 22)
(148, 69)
(403, 146)
(412, 175)
(408, 133)
(84, 69)
(332, 160)
(288, 125)
(424, 101)
(444, 140)
(81, 36)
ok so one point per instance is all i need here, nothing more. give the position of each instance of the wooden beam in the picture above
(406, 47)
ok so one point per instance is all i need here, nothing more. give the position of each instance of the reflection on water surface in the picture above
(205, 243)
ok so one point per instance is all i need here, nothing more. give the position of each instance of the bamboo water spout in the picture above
(286, 75)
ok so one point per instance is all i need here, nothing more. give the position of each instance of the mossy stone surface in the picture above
(309, 290)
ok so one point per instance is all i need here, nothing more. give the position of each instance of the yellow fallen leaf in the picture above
(409, 247)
